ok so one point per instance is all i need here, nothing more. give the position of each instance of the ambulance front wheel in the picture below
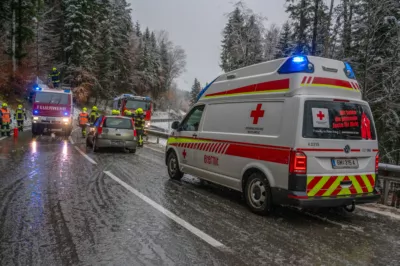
(257, 193)
(173, 166)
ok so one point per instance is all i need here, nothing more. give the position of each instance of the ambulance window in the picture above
(192, 121)
(337, 120)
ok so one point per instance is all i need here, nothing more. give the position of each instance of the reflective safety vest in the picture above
(93, 115)
(139, 122)
(5, 115)
(55, 76)
(83, 118)
(20, 114)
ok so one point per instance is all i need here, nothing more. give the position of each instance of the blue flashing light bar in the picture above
(348, 70)
(67, 91)
(296, 64)
(35, 112)
(66, 113)
(37, 88)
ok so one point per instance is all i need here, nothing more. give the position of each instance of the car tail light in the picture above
(100, 128)
(298, 163)
(377, 163)
(134, 133)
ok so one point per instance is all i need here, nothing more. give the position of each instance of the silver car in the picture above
(112, 132)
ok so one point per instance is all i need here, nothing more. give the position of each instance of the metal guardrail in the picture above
(389, 176)
(162, 120)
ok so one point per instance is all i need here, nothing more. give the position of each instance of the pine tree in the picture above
(254, 49)
(285, 44)
(271, 42)
(196, 88)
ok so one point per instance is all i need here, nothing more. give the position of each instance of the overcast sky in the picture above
(196, 26)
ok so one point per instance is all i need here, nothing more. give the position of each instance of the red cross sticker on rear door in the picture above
(257, 113)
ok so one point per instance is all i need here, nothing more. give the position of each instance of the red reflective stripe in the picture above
(326, 186)
(258, 153)
(353, 190)
(215, 147)
(209, 147)
(361, 182)
(336, 191)
(333, 82)
(371, 180)
(309, 80)
(304, 80)
(260, 87)
(226, 148)
(355, 150)
(313, 183)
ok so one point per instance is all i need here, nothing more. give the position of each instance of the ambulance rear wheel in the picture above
(257, 193)
(173, 167)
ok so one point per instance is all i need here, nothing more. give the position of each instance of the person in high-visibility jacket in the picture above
(5, 120)
(20, 116)
(94, 114)
(139, 125)
(54, 76)
(83, 119)
(127, 113)
(115, 112)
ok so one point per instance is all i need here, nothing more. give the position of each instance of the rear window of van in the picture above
(337, 120)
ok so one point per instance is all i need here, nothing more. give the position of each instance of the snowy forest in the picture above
(99, 51)
(365, 33)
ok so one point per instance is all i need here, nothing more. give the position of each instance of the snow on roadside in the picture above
(381, 209)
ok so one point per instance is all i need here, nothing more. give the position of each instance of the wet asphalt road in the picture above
(58, 208)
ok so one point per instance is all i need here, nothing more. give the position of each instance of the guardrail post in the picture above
(386, 184)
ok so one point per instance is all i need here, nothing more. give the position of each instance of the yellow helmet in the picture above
(4, 105)
(127, 112)
(19, 106)
(115, 112)
(84, 109)
(139, 111)
(54, 69)
(94, 108)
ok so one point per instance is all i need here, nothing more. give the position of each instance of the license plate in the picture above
(344, 163)
(117, 142)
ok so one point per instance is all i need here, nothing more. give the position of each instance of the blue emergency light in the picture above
(38, 88)
(348, 70)
(296, 64)
(67, 90)
(66, 113)
(35, 112)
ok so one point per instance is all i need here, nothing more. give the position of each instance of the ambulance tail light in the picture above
(298, 163)
(296, 64)
(377, 163)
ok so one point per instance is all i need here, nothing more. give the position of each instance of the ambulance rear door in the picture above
(338, 137)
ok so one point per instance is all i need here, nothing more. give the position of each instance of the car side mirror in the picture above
(175, 125)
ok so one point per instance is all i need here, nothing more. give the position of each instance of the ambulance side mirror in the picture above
(175, 125)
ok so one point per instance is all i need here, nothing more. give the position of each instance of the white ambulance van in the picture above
(289, 131)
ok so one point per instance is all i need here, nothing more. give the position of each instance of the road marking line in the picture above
(3, 138)
(85, 155)
(387, 214)
(213, 242)
(71, 140)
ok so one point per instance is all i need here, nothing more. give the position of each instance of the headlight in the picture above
(66, 120)
(35, 118)
(148, 123)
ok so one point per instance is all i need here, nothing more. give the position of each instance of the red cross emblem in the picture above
(256, 114)
(184, 154)
(320, 115)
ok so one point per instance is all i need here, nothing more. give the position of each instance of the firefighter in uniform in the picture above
(139, 125)
(94, 114)
(83, 119)
(55, 77)
(5, 120)
(127, 113)
(20, 116)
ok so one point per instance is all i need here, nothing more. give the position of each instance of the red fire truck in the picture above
(132, 102)
(52, 111)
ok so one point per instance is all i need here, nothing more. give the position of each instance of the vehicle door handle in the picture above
(195, 135)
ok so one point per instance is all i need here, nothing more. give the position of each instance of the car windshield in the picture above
(135, 104)
(51, 97)
(117, 122)
(337, 120)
